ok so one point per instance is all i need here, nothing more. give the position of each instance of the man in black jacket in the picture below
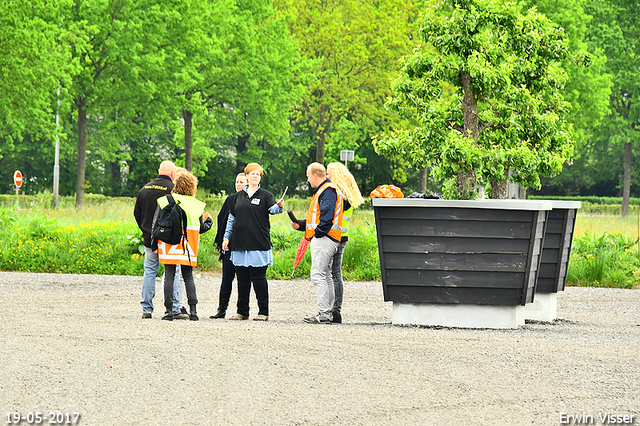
(143, 211)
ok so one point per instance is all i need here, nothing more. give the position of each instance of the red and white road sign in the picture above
(17, 178)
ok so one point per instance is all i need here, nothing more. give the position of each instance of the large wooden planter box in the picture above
(459, 262)
(554, 262)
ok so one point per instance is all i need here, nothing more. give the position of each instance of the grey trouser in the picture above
(322, 252)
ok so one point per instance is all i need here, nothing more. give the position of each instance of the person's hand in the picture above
(295, 225)
(225, 245)
(281, 202)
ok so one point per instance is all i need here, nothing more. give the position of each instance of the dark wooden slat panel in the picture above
(479, 296)
(423, 255)
(553, 240)
(489, 279)
(435, 213)
(547, 285)
(557, 214)
(456, 262)
(552, 275)
(419, 244)
(548, 270)
(555, 226)
(550, 255)
(435, 228)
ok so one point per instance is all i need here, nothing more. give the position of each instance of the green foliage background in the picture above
(277, 82)
(104, 239)
(96, 242)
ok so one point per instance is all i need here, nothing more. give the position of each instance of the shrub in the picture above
(603, 261)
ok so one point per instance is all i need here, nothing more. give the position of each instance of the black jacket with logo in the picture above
(147, 202)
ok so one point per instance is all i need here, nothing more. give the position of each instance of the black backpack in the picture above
(170, 224)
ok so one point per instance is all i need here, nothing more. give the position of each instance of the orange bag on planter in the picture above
(386, 191)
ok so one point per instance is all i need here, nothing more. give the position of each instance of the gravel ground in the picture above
(77, 343)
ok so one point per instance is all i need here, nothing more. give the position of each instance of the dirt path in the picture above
(77, 343)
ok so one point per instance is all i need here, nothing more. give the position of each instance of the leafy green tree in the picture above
(353, 46)
(616, 29)
(32, 68)
(588, 90)
(233, 68)
(100, 36)
(484, 94)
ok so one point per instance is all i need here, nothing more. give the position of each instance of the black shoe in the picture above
(337, 318)
(168, 316)
(219, 314)
(146, 315)
(193, 314)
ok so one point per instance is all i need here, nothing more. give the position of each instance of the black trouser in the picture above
(187, 275)
(257, 276)
(228, 273)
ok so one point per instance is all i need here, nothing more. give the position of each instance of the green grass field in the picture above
(104, 239)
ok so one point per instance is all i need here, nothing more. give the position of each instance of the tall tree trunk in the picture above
(471, 129)
(241, 147)
(499, 189)
(116, 178)
(626, 186)
(469, 109)
(320, 147)
(188, 141)
(81, 103)
(466, 184)
(422, 180)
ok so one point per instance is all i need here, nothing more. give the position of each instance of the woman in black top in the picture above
(228, 270)
(249, 230)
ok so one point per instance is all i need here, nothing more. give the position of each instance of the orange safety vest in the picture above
(313, 214)
(181, 254)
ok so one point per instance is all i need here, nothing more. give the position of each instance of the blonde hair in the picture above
(344, 180)
(253, 166)
(185, 184)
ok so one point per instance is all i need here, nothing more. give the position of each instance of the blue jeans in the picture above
(151, 265)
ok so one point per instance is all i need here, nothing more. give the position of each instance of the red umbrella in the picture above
(302, 249)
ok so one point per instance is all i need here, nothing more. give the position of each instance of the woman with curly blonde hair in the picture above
(342, 177)
(185, 253)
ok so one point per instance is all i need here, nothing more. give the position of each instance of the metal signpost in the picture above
(346, 155)
(56, 165)
(17, 179)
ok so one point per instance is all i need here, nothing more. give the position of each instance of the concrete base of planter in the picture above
(459, 315)
(543, 308)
